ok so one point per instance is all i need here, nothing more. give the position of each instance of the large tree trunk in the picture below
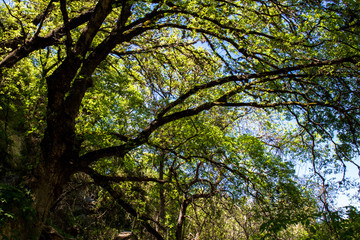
(46, 182)
(47, 190)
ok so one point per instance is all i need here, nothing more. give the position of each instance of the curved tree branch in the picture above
(163, 119)
(37, 42)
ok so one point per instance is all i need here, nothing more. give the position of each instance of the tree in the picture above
(108, 87)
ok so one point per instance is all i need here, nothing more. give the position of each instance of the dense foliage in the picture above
(178, 119)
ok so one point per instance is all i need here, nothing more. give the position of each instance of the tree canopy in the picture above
(177, 119)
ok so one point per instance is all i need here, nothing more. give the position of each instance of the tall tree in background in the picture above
(188, 96)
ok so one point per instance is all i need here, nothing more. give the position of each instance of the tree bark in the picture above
(46, 191)
(161, 190)
(181, 219)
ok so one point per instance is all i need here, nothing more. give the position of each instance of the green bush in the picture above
(15, 204)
